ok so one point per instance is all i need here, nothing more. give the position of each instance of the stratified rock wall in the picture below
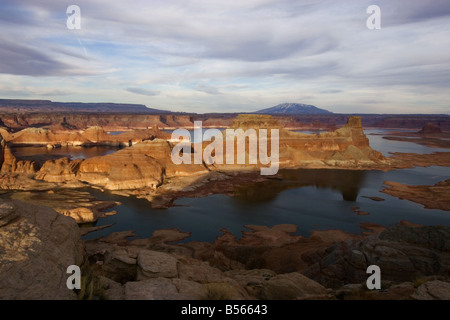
(9, 163)
(142, 165)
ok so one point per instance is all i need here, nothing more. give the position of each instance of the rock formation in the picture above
(147, 164)
(432, 197)
(79, 205)
(271, 263)
(94, 135)
(143, 165)
(9, 163)
(59, 170)
(37, 245)
(155, 269)
(430, 128)
(122, 121)
(347, 147)
(334, 258)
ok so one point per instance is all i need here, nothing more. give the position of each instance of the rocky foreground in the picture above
(37, 245)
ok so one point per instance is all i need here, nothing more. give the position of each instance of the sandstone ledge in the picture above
(432, 197)
(36, 248)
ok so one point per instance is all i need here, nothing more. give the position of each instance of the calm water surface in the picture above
(311, 199)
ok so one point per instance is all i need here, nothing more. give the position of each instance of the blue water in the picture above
(310, 207)
(115, 133)
(312, 199)
(386, 146)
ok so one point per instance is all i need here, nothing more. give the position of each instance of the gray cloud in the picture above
(257, 50)
(21, 60)
(145, 92)
(413, 11)
(248, 50)
(207, 89)
(330, 91)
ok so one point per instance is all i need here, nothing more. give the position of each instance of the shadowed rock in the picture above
(36, 248)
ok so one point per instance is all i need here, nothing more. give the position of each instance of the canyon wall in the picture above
(92, 136)
(345, 147)
(123, 121)
(147, 163)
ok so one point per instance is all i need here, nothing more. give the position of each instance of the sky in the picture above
(230, 56)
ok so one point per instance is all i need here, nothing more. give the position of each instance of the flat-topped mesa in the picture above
(45, 137)
(344, 147)
(255, 121)
(144, 165)
(94, 135)
(430, 128)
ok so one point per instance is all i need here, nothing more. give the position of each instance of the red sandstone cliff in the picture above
(9, 163)
(148, 162)
(145, 164)
(92, 136)
(345, 147)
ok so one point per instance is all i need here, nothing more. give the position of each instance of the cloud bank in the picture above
(210, 56)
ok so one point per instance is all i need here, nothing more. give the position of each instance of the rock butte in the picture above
(38, 243)
(144, 167)
(145, 163)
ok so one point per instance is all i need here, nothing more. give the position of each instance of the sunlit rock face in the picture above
(9, 163)
(344, 147)
(147, 160)
(142, 165)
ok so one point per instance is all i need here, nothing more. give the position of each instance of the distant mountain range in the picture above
(15, 105)
(23, 105)
(294, 108)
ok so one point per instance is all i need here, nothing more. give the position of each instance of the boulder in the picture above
(433, 290)
(151, 289)
(154, 264)
(267, 285)
(7, 213)
(37, 246)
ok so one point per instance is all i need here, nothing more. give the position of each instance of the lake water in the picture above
(312, 199)
(386, 146)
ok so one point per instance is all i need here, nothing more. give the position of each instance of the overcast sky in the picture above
(230, 56)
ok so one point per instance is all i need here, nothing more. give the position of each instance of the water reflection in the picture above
(347, 182)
